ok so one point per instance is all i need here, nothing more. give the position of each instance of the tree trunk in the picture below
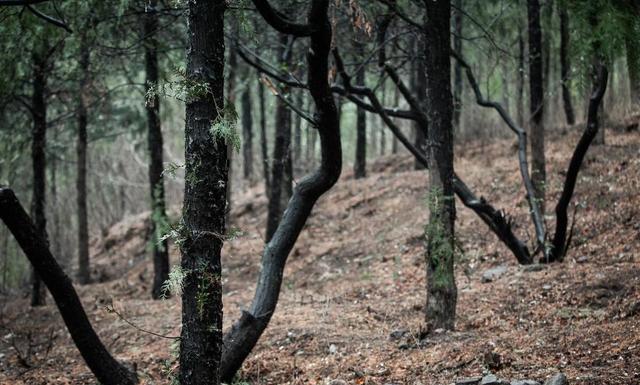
(633, 65)
(420, 128)
(297, 133)
(441, 286)
(204, 207)
(159, 220)
(360, 164)
(281, 175)
(565, 65)
(84, 275)
(457, 70)
(247, 134)
(245, 333)
(38, 159)
(536, 102)
(263, 140)
(30, 238)
(520, 81)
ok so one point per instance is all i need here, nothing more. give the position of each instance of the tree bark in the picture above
(441, 286)
(360, 163)
(520, 81)
(633, 64)
(32, 241)
(457, 69)
(281, 167)
(38, 160)
(565, 65)
(245, 333)
(159, 219)
(247, 134)
(84, 275)
(263, 140)
(536, 102)
(420, 128)
(204, 208)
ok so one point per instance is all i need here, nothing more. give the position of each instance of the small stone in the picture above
(337, 382)
(533, 268)
(398, 334)
(333, 349)
(469, 381)
(582, 259)
(492, 274)
(490, 379)
(557, 379)
(524, 382)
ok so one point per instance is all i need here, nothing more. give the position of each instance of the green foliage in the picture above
(175, 283)
(225, 126)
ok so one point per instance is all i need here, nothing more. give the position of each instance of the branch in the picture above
(106, 369)
(536, 215)
(49, 19)
(279, 22)
(4, 3)
(559, 245)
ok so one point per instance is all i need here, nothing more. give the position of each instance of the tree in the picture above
(247, 133)
(565, 64)
(159, 220)
(360, 163)
(84, 275)
(204, 208)
(441, 286)
(536, 101)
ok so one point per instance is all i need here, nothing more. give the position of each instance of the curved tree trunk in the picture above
(244, 334)
(159, 220)
(30, 238)
(441, 286)
(360, 163)
(204, 207)
(247, 134)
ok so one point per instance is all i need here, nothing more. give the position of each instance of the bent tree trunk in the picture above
(360, 163)
(159, 220)
(441, 286)
(244, 334)
(106, 369)
(38, 160)
(565, 65)
(203, 215)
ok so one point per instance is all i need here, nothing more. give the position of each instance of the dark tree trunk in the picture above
(38, 159)
(536, 101)
(565, 65)
(396, 100)
(457, 70)
(520, 81)
(84, 275)
(204, 207)
(420, 128)
(245, 333)
(633, 65)
(159, 220)
(281, 173)
(231, 98)
(263, 140)
(360, 164)
(247, 134)
(441, 286)
(297, 133)
(32, 241)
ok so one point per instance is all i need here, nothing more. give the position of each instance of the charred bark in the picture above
(247, 134)
(536, 102)
(360, 163)
(441, 286)
(204, 207)
(32, 241)
(263, 140)
(240, 340)
(565, 65)
(38, 160)
(84, 276)
(159, 219)
(457, 69)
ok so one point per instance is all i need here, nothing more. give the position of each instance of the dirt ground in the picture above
(351, 306)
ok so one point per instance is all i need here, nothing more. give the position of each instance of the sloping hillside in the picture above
(352, 300)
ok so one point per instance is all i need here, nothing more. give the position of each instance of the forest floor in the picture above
(352, 302)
